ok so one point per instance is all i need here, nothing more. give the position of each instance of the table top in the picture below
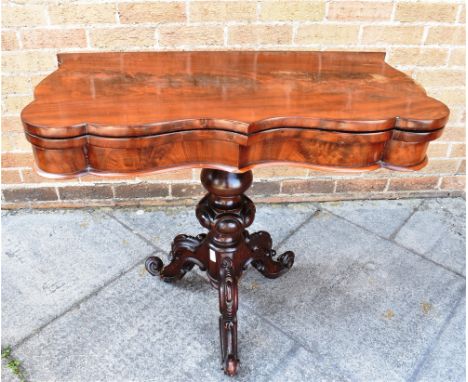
(115, 113)
(131, 94)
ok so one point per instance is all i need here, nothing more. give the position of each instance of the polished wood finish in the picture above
(114, 113)
(225, 251)
(227, 112)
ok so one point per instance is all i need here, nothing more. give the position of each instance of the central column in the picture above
(226, 212)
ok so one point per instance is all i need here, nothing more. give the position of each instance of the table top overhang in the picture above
(141, 112)
(146, 93)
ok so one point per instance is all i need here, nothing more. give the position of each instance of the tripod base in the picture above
(224, 252)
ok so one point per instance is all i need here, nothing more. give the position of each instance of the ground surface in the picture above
(377, 293)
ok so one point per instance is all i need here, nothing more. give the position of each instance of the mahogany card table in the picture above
(227, 112)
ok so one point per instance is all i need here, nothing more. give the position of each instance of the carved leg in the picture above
(260, 244)
(227, 289)
(186, 252)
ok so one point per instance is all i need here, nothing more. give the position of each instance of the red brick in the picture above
(17, 160)
(453, 183)
(462, 167)
(308, 186)
(264, 188)
(185, 174)
(11, 176)
(357, 185)
(187, 190)
(30, 194)
(31, 176)
(142, 190)
(85, 192)
(409, 184)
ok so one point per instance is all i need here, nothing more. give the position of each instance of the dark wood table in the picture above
(227, 112)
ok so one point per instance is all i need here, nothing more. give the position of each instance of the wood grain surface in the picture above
(114, 113)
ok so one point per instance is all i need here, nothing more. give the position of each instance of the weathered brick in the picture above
(85, 192)
(441, 166)
(17, 159)
(437, 150)
(327, 34)
(292, 10)
(462, 167)
(10, 176)
(458, 150)
(360, 185)
(13, 104)
(260, 34)
(28, 61)
(9, 40)
(168, 175)
(53, 38)
(420, 11)
(11, 124)
(457, 183)
(187, 190)
(462, 14)
(411, 184)
(141, 190)
(16, 84)
(418, 56)
(82, 14)
(264, 188)
(451, 35)
(359, 11)
(452, 97)
(23, 16)
(151, 12)
(458, 57)
(15, 142)
(457, 116)
(440, 77)
(31, 176)
(180, 35)
(307, 186)
(122, 38)
(29, 194)
(222, 11)
(453, 134)
(376, 34)
(279, 172)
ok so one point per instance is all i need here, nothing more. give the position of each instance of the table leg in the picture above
(225, 251)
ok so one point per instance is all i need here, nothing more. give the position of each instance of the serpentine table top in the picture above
(114, 113)
(227, 112)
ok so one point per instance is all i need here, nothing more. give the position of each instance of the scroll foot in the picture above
(260, 244)
(186, 252)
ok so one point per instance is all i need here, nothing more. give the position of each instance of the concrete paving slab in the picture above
(142, 329)
(383, 217)
(445, 360)
(437, 230)
(301, 367)
(52, 259)
(161, 225)
(360, 301)
(354, 306)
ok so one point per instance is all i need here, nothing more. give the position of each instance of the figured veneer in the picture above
(143, 112)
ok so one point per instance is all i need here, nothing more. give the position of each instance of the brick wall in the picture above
(425, 39)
